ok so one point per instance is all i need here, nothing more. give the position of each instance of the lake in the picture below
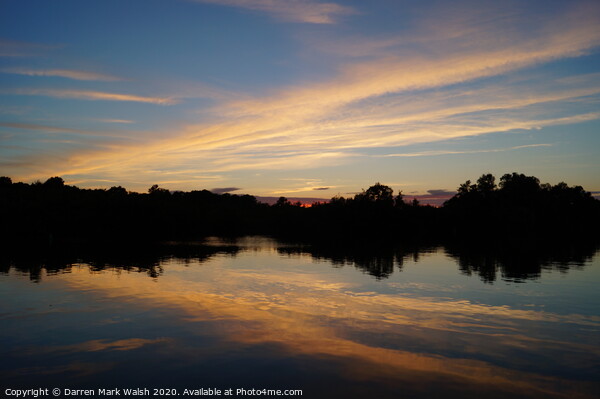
(331, 321)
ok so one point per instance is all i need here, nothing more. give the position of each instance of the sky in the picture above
(299, 98)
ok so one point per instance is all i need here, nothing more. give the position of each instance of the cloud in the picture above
(435, 197)
(321, 188)
(94, 95)
(14, 110)
(441, 192)
(392, 99)
(55, 129)
(448, 152)
(304, 11)
(63, 73)
(13, 48)
(224, 190)
(399, 74)
(264, 143)
(265, 161)
(125, 121)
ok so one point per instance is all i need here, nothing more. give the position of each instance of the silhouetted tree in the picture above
(338, 200)
(282, 202)
(519, 183)
(55, 182)
(378, 193)
(155, 190)
(5, 181)
(118, 190)
(464, 189)
(486, 183)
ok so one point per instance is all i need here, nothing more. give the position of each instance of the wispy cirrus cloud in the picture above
(447, 152)
(394, 100)
(265, 143)
(276, 161)
(440, 192)
(56, 129)
(304, 11)
(14, 48)
(63, 73)
(394, 74)
(108, 120)
(301, 185)
(93, 95)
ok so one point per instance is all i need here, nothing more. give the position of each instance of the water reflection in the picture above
(519, 263)
(147, 259)
(269, 315)
(378, 261)
(489, 262)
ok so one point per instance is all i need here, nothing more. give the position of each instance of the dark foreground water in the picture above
(356, 323)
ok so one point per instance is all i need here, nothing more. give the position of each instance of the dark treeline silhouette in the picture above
(53, 210)
(518, 207)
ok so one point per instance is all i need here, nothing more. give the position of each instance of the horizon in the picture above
(435, 198)
(299, 99)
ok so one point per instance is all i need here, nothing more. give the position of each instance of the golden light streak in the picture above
(63, 73)
(95, 95)
(443, 152)
(57, 129)
(307, 11)
(97, 345)
(125, 121)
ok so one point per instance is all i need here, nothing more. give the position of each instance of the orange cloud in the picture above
(55, 129)
(385, 101)
(97, 345)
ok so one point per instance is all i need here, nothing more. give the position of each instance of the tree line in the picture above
(517, 207)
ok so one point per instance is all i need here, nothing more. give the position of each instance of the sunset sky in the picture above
(300, 98)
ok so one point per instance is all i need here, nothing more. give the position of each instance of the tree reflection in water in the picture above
(243, 314)
(509, 262)
(519, 262)
(98, 257)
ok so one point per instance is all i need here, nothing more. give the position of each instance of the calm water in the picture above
(434, 322)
